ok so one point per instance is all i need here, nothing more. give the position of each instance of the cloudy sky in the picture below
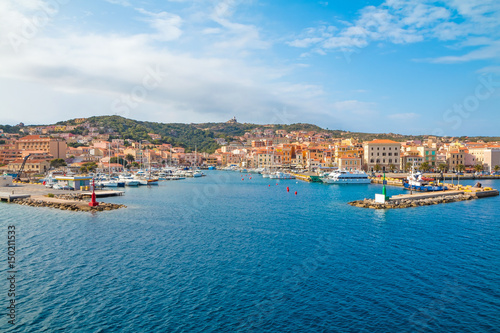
(412, 67)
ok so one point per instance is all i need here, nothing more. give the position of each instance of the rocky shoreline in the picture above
(71, 202)
(408, 203)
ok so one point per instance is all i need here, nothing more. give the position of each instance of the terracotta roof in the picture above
(31, 137)
(382, 141)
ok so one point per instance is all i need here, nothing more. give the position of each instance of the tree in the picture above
(425, 166)
(392, 167)
(135, 165)
(130, 158)
(377, 167)
(408, 166)
(442, 167)
(88, 167)
(496, 168)
(118, 160)
(57, 162)
(460, 167)
(478, 167)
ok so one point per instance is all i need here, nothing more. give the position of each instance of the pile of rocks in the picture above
(407, 203)
(77, 206)
(72, 196)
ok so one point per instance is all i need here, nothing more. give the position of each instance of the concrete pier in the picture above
(426, 198)
(104, 194)
(9, 197)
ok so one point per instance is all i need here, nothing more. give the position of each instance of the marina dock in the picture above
(10, 197)
(429, 195)
(307, 176)
(417, 199)
(104, 194)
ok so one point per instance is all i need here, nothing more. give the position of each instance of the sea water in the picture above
(222, 254)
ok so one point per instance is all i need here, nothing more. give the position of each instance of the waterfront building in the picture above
(383, 153)
(77, 183)
(454, 158)
(36, 143)
(428, 154)
(491, 159)
(412, 158)
(33, 164)
(350, 163)
(9, 153)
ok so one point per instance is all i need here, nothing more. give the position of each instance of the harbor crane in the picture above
(21, 169)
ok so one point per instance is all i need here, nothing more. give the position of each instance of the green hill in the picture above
(202, 136)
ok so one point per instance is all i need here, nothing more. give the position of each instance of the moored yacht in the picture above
(347, 177)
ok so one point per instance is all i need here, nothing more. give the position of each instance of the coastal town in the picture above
(44, 148)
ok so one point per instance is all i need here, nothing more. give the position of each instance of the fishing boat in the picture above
(417, 182)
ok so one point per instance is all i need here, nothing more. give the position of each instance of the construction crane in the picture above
(21, 169)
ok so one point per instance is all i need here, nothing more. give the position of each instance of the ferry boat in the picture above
(347, 177)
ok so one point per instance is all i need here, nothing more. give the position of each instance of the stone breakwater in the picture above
(407, 203)
(76, 205)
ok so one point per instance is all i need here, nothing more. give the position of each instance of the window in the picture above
(384, 148)
(390, 154)
(383, 154)
(390, 160)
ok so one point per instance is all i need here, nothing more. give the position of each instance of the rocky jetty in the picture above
(407, 203)
(76, 205)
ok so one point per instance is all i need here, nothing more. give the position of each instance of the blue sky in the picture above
(411, 67)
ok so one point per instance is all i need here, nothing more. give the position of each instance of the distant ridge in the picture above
(203, 135)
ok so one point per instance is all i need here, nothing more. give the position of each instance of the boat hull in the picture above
(347, 181)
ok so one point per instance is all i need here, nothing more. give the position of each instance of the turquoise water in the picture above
(218, 254)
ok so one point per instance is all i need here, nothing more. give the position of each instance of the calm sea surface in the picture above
(218, 254)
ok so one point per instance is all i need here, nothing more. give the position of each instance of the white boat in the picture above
(281, 175)
(347, 177)
(129, 180)
(109, 183)
(197, 173)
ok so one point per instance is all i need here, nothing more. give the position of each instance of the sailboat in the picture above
(109, 182)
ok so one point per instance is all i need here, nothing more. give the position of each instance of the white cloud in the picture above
(403, 116)
(93, 70)
(487, 52)
(166, 24)
(123, 3)
(404, 22)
